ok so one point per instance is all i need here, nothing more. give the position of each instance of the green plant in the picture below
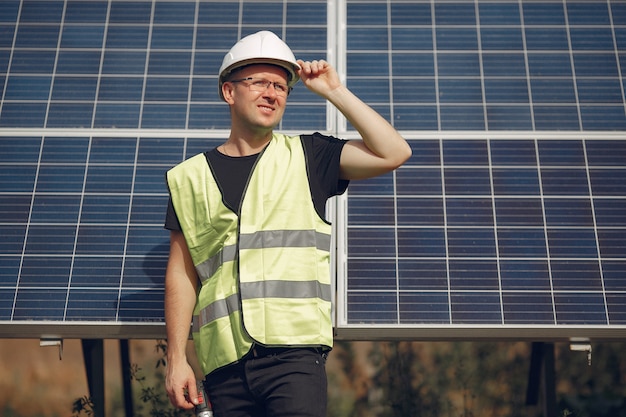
(153, 398)
(82, 405)
(153, 395)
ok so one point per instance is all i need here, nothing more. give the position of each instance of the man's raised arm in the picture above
(382, 148)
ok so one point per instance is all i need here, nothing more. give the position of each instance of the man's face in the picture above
(256, 95)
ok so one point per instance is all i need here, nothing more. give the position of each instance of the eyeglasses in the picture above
(260, 84)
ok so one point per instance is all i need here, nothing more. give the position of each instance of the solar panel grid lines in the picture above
(492, 21)
(472, 248)
(127, 64)
(86, 237)
(94, 249)
(497, 74)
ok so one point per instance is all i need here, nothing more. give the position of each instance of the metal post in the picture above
(541, 378)
(534, 374)
(549, 390)
(126, 377)
(93, 355)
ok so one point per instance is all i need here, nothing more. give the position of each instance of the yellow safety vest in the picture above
(265, 273)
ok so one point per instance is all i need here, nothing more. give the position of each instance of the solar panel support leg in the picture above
(126, 377)
(93, 355)
(542, 377)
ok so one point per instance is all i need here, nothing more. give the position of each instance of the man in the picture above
(249, 246)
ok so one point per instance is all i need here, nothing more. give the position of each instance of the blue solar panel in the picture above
(509, 232)
(510, 215)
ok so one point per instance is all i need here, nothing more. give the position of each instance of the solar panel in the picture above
(508, 220)
(490, 233)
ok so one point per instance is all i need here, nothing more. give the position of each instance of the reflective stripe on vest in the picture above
(286, 289)
(209, 267)
(216, 310)
(264, 239)
(275, 289)
(285, 238)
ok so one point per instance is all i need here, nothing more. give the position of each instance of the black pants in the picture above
(271, 383)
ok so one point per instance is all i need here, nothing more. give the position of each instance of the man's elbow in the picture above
(396, 158)
(403, 155)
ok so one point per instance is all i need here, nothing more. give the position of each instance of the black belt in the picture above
(259, 351)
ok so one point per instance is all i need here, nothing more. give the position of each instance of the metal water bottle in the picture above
(203, 409)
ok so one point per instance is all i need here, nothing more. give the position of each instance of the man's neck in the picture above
(245, 145)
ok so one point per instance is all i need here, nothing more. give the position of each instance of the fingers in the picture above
(313, 67)
(192, 391)
(180, 399)
(319, 76)
(182, 394)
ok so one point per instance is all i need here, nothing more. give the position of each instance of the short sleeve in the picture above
(323, 158)
(171, 219)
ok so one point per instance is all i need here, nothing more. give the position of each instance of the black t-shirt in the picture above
(322, 157)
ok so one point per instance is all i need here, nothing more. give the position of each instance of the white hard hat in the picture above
(263, 47)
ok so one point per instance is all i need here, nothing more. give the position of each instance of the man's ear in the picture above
(228, 90)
